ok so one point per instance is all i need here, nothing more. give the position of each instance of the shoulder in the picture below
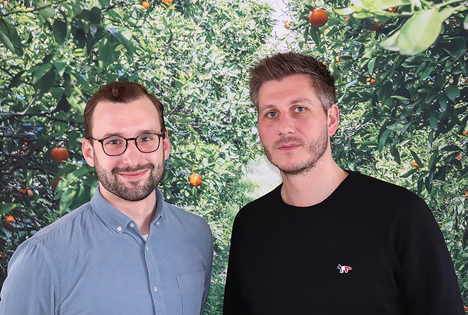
(259, 208)
(62, 226)
(389, 205)
(185, 218)
(373, 190)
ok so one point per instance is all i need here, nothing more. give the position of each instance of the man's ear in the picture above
(166, 145)
(333, 116)
(88, 152)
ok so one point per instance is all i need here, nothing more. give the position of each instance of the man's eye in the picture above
(113, 141)
(145, 138)
(271, 114)
(299, 109)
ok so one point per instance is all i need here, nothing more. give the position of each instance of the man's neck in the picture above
(313, 186)
(142, 212)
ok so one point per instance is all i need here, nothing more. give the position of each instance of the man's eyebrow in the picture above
(119, 134)
(300, 100)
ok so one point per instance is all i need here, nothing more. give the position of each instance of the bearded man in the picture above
(126, 251)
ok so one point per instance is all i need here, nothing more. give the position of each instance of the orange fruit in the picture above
(466, 308)
(372, 81)
(318, 17)
(337, 59)
(168, 1)
(26, 192)
(59, 154)
(145, 4)
(195, 179)
(415, 164)
(460, 157)
(287, 25)
(392, 10)
(10, 218)
(375, 27)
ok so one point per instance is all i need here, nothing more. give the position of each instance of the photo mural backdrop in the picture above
(403, 107)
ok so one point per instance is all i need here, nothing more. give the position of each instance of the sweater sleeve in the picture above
(426, 273)
(29, 287)
(233, 302)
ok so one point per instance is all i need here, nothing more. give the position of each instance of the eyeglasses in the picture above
(117, 145)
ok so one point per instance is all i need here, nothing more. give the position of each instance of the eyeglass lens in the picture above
(117, 145)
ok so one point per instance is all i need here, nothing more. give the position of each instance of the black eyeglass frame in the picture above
(160, 135)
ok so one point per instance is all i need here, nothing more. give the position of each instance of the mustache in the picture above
(133, 169)
(288, 140)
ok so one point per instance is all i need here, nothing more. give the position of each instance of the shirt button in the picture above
(132, 225)
(157, 223)
(147, 248)
(155, 289)
(119, 228)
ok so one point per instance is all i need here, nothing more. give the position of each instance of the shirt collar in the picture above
(115, 219)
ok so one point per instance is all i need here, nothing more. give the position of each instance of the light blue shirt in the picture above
(94, 260)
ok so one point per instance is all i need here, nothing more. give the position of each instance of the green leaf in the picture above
(47, 12)
(452, 92)
(465, 22)
(395, 154)
(383, 139)
(66, 200)
(399, 97)
(433, 121)
(399, 127)
(416, 158)
(9, 37)
(95, 16)
(446, 13)
(59, 29)
(443, 102)
(40, 72)
(17, 80)
(417, 34)
(121, 38)
(7, 207)
(63, 105)
(409, 173)
(385, 4)
(60, 66)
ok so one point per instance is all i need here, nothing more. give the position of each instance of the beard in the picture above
(137, 190)
(316, 148)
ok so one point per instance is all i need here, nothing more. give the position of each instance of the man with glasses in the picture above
(127, 251)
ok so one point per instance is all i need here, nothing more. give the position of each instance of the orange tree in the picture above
(403, 102)
(194, 55)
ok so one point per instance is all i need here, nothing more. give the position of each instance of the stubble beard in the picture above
(317, 148)
(136, 191)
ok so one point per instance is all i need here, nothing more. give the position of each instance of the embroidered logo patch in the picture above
(344, 269)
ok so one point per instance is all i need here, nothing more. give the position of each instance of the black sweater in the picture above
(369, 248)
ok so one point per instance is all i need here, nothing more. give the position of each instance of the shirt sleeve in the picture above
(208, 273)
(427, 276)
(30, 285)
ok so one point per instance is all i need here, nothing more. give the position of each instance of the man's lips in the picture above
(133, 175)
(288, 146)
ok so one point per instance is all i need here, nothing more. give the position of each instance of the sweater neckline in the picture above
(336, 196)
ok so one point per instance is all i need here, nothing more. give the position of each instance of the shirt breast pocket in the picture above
(192, 287)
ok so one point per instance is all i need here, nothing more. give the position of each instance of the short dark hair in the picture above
(119, 92)
(282, 65)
